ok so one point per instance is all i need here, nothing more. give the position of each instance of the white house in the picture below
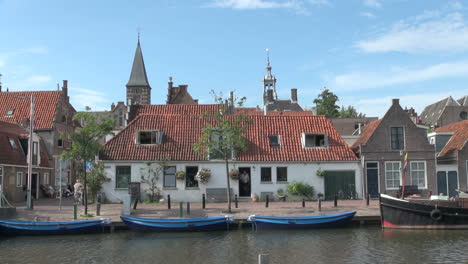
(281, 149)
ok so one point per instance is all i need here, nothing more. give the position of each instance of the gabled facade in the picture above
(444, 112)
(53, 117)
(382, 147)
(281, 149)
(451, 146)
(178, 94)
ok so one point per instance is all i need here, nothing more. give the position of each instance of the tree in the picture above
(96, 178)
(349, 112)
(85, 143)
(150, 176)
(223, 134)
(326, 104)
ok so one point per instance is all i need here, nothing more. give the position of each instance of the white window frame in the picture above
(271, 175)
(46, 178)
(385, 171)
(164, 177)
(279, 141)
(158, 137)
(19, 175)
(425, 173)
(325, 139)
(276, 172)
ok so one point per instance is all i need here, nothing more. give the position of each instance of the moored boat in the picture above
(299, 222)
(11, 227)
(177, 225)
(422, 213)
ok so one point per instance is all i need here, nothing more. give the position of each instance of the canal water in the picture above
(348, 245)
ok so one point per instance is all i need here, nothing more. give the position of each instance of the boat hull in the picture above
(398, 213)
(320, 221)
(15, 228)
(177, 225)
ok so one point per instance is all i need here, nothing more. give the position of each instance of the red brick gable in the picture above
(44, 110)
(458, 140)
(8, 155)
(182, 131)
(367, 132)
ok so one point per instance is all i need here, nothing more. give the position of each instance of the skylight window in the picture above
(149, 137)
(10, 112)
(274, 140)
(314, 140)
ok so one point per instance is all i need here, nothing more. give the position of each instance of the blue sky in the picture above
(365, 51)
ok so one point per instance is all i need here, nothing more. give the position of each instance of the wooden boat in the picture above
(177, 225)
(10, 227)
(422, 213)
(299, 222)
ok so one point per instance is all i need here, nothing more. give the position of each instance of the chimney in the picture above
(170, 83)
(65, 89)
(395, 101)
(294, 95)
(183, 87)
(196, 101)
(112, 106)
(269, 96)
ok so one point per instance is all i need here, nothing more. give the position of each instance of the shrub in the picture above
(301, 189)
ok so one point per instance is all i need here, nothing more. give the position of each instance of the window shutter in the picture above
(160, 137)
(303, 140)
(326, 141)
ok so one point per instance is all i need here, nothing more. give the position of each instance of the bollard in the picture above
(303, 202)
(235, 201)
(98, 205)
(181, 209)
(336, 201)
(267, 201)
(169, 201)
(367, 199)
(203, 201)
(75, 211)
(188, 208)
(263, 259)
(320, 204)
(32, 203)
(135, 204)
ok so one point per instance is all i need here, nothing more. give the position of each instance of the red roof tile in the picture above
(44, 109)
(182, 131)
(458, 140)
(367, 132)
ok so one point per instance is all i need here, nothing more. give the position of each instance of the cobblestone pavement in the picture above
(48, 209)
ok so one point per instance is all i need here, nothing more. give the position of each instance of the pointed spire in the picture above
(268, 57)
(138, 75)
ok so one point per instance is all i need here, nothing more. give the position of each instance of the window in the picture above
(149, 137)
(265, 174)
(60, 143)
(46, 179)
(190, 180)
(463, 115)
(120, 117)
(122, 176)
(282, 174)
(35, 151)
(398, 142)
(274, 140)
(314, 140)
(19, 179)
(12, 143)
(169, 177)
(392, 174)
(418, 173)
(10, 112)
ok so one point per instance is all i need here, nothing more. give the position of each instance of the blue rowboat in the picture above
(177, 225)
(300, 222)
(9, 227)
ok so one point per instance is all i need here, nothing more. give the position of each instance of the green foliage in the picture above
(85, 142)
(150, 176)
(350, 112)
(326, 104)
(281, 192)
(223, 134)
(87, 215)
(96, 178)
(301, 189)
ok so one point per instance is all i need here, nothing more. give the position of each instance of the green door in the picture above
(341, 183)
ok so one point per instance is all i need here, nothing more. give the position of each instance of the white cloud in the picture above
(372, 3)
(252, 4)
(81, 98)
(429, 32)
(320, 2)
(367, 14)
(398, 75)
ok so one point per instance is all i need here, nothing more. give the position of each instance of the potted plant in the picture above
(320, 196)
(180, 175)
(234, 174)
(254, 197)
(281, 195)
(203, 175)
(320, 173)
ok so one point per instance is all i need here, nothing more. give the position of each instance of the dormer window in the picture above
(12, 143)
(274, 140)
(149, 137)
(310, 140)
(10, 112)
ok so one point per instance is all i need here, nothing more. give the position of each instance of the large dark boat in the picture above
(423, 213)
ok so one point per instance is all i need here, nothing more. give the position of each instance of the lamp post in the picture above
(30, 153)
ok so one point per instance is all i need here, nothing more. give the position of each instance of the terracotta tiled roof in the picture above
(44, 109)
(182, 131)
(458, 140)
(367, 132)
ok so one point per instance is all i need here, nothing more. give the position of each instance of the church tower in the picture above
(269, 83)
(138, 88)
